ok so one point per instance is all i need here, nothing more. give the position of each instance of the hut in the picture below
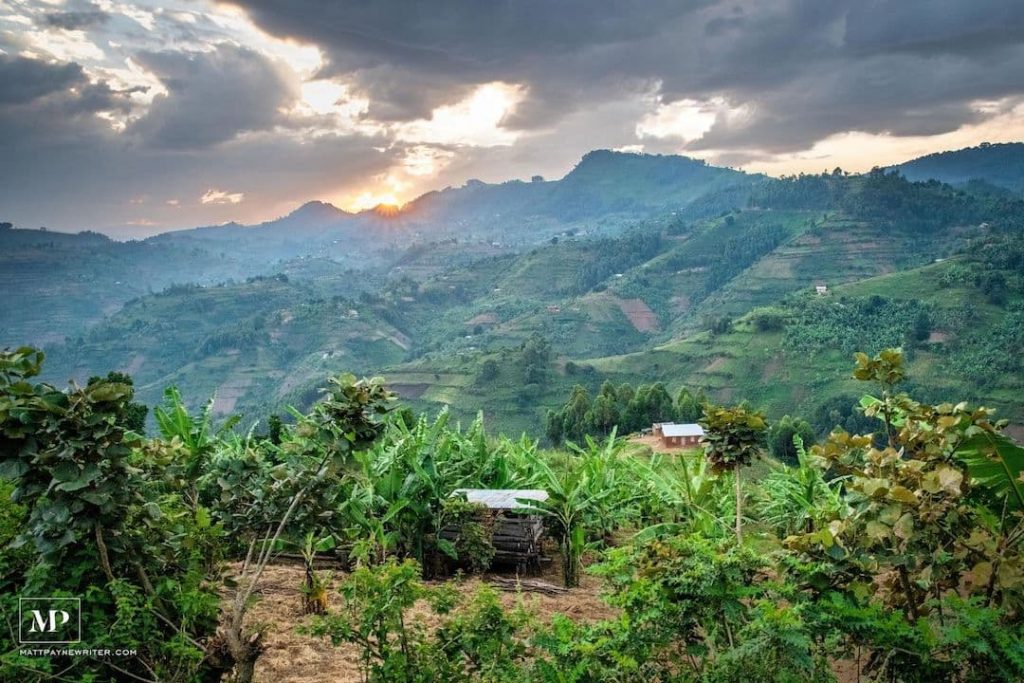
(517, 530)
(681, 435)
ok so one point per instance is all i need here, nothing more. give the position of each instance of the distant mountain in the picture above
(635, 306)
(87, 276)
(605, 188)
(622, 266)
(1000, 164)
(604, 193)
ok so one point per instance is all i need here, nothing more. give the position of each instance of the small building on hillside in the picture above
(517, 529)
(680, 435)
(821, 289)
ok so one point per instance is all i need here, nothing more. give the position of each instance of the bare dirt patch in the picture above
(772, 368)
(715, 365)
(640, 314)
(656, 445)
(937, 337)
(680, 304)
(293, 658)
(228, 394)
(483, 319)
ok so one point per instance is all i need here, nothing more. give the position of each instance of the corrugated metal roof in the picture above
(501, 499)
(682, 430)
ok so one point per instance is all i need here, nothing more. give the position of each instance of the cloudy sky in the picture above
(147, 116)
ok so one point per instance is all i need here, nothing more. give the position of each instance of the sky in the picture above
(140, 117)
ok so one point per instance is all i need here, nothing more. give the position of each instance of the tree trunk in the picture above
(243, 650)
(739, 508)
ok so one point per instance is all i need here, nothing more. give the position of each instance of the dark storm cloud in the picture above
(212, 96)
(50, 103)
(75, 21)
(428, 51)
(23, 79)
(804, 69)
(67, 168)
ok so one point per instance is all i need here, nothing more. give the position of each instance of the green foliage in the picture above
(397, 500)
(104, 526)
(589, 495)
(475, 642)
(135, 418)
(782, 434)
(799, 499)
(901, 551)
(621, 408)
(768, 319)
(872, 323)
(473, 536)
(733, 436)
(923, 531)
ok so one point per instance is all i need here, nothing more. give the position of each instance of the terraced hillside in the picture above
(257, 345)
(725, 303)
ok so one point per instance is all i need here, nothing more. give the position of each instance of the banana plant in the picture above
(996, 464)
(684, 494)
(571, 503)
(194, 432)
(799, 499)
(583, 496)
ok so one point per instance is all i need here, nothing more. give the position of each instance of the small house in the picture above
(681, 435)
(821, 289)
(656, 428)
(517, 530)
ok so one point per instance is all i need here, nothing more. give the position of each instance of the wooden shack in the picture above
(517, 530)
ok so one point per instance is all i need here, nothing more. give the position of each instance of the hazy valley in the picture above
(631, 268)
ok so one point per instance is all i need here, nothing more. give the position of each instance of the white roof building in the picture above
(672, 429)
(502, 499)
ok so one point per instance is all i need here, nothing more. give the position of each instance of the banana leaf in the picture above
(995, 462)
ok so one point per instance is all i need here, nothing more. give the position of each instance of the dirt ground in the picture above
(640, 314)
(294, 658)
(656, 445)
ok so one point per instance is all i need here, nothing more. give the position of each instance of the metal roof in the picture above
(502, 499)
(673, 429)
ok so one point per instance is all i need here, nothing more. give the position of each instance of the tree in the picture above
(922, 326)
(605, 411)
(106, 520)
(689, 407)
(576, 414)
(535, 355)
(275, 428)
(135, 418)
(733, 437)
(717, 325)
(347, 420)
(489, 370)
(935, 510)
(577, 494)
(780, 438)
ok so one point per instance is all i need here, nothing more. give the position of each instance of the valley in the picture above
(445, 300)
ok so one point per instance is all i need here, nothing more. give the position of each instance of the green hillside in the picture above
(1001, 165)
(724, 302)
(256, 345)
